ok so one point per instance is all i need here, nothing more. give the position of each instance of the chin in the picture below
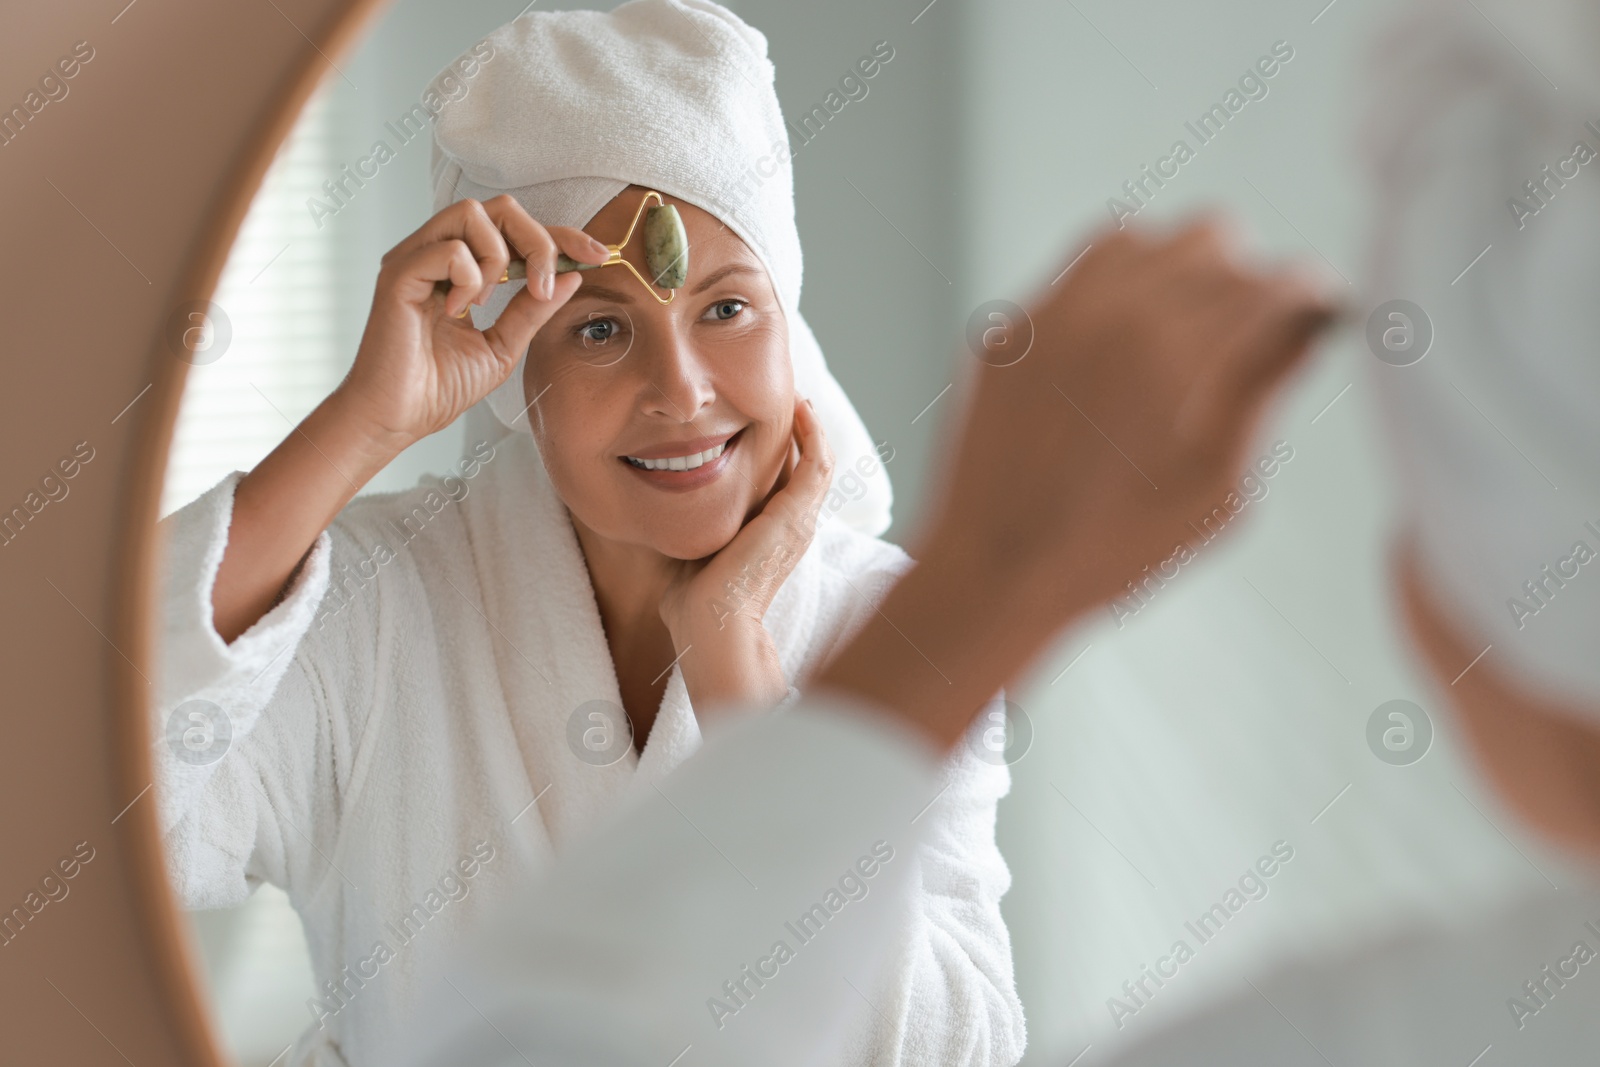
(695, 540)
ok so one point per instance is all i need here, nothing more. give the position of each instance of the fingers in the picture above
(766, 549)
(464, 221)
(447, 223)
(1236, 326)
(1272, 324)
(1204, 241)
(1296, 314)
(815, 468)
(496, 231)
(1206, 263)
(526, 314)
(801, 499)
(488, 247)
(574, 242)
(1210, 236)
(413, 275)
(538, 245)
(774, 540)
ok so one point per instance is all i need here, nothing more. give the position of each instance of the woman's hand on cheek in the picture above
(715, 607)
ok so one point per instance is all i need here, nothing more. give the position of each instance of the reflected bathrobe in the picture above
(396, 753)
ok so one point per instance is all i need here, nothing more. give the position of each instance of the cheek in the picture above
(777, 406)
(758, 380)
(569, 405)
(573, 435)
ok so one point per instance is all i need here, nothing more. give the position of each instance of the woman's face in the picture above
(665, 426)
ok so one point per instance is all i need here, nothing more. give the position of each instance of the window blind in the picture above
(278, 292)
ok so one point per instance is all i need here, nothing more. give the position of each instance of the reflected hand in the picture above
(714, 607)
(420, 365)
(1128, 419)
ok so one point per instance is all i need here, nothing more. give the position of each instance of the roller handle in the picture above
(517, 269)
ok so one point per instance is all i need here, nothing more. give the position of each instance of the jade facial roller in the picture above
(666, 252)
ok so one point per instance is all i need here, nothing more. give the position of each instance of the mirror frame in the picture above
(137, 180)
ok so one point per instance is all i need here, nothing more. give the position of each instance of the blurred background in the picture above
(1171, 748)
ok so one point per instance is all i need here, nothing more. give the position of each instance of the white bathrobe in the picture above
(400, 758)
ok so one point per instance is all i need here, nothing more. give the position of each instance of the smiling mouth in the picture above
(688, 462)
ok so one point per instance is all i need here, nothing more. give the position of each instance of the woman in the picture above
(422, 695)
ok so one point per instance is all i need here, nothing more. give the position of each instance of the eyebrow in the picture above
(716, 276)
(605, 292)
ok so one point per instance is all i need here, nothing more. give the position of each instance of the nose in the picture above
(677, 382)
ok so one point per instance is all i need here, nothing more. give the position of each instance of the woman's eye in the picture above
(598, 331)
(727, 309)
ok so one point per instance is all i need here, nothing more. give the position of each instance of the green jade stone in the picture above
(666, 249)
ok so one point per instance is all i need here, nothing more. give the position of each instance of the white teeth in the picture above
(679, 463)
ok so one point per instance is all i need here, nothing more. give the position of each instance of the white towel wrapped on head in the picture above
(674, 95)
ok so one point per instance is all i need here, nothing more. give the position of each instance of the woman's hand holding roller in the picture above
(419, 367)
(421, 364)
(714, 607)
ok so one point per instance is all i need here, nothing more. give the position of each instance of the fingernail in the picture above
(599, 247)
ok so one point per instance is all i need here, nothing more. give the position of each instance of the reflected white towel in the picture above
(674, 95)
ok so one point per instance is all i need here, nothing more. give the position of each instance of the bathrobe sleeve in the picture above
(613, 955)
(246, 736)
(949, 995)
